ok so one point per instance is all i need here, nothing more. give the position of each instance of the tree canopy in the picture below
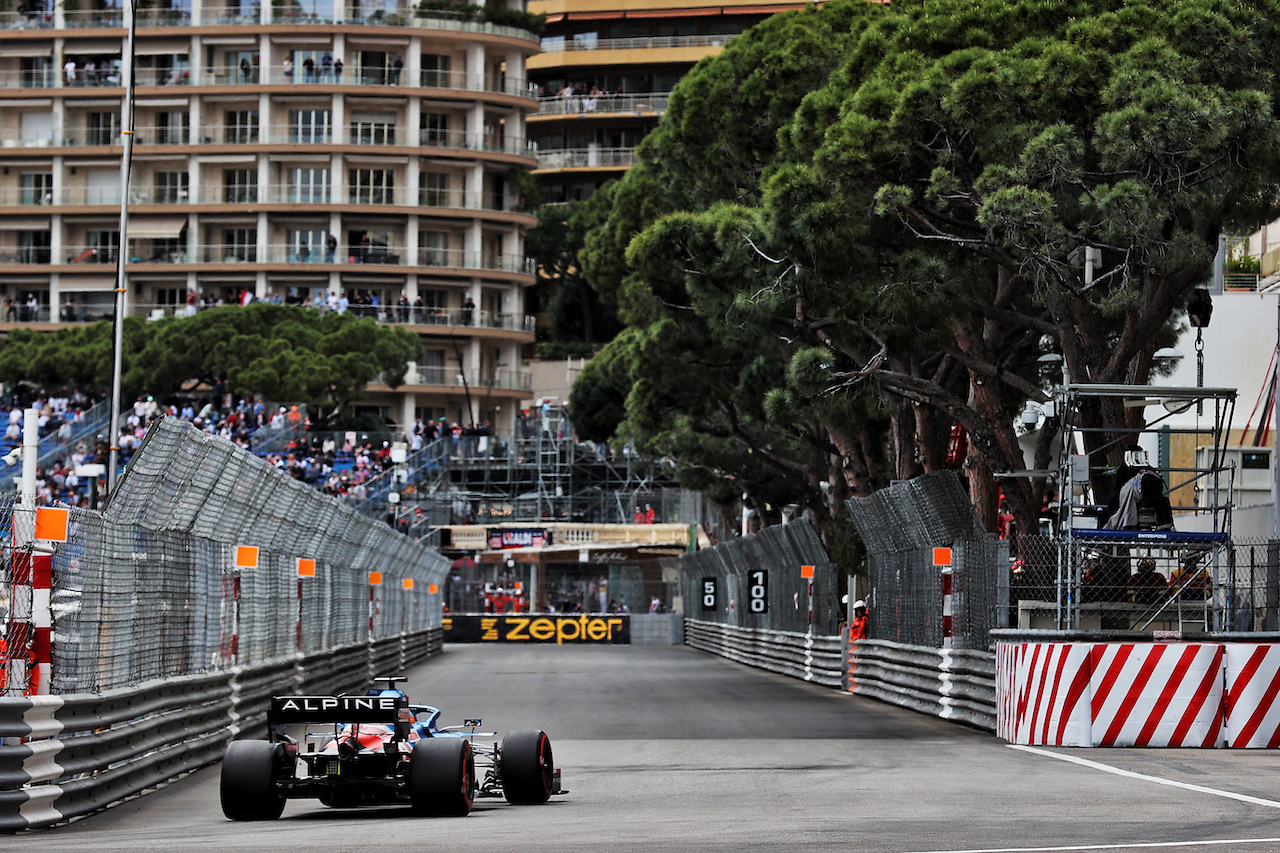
(281, 352)
(910, 235)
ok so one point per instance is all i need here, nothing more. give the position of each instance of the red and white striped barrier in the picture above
(1253, 683)
(1139, 694)
(1156, 694)
(1042, 694)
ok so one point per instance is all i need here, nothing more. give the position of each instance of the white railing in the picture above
(590, 158)
(560, 44)
(586, 103)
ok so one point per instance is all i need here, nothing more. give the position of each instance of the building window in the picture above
(435, 71)
(435, 189)
(173, 128)
(172, 187)
(435, 129)
(239, 244)
(37, 188)
(171, 295)
(34, 246)
(310, 126)
(433, 248)
(104, 129)
(309, 186)
(240, 186)
(105, 245)
(307, 245)
(373, 129)
(37, 72)
(242, 126)
(372, 186)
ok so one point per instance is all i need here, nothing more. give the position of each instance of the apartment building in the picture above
(290, 150)
(605, 73)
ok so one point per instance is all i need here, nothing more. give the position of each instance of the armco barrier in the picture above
(1129, 689)
(816, 659)
(68, 756)
(954, 684)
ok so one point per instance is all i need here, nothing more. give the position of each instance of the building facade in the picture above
(604, 76)
(287, 150)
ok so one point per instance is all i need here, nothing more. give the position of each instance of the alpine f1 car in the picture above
(378, 749)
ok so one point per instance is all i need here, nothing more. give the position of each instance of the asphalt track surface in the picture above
(671, 749)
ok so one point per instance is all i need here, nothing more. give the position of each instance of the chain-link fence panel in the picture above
(901, 526)
(150, 587)
(756, 582)
(1168, 585)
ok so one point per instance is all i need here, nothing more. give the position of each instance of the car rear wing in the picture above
(388, 710)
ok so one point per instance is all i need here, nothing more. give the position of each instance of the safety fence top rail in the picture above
(184, 480)
(1048, 635)
(929, 510)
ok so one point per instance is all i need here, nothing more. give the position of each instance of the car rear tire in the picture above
(442, 777)
(528, 770)
(248, 790)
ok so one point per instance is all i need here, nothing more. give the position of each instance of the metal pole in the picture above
(122, 255)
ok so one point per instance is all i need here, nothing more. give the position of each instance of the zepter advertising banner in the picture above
(537, 628)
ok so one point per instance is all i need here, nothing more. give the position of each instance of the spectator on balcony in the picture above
(33, 308)
(69, 71)
(396, 68)
(418, 306)
(330, 249)
(468, 311)
(326, 65)
(304, 252)
(246, 70)
(402, 308)
(288, 69)
(309, 69)
(337, 70)
(69, 309)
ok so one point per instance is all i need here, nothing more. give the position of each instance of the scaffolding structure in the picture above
(544, 474)
(1193, 558)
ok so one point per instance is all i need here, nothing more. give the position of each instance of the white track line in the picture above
(1107, 768)
(1144, 845)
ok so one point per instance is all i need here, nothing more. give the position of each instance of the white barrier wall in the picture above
(1188, 694)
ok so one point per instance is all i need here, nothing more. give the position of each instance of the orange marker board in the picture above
(375, 578)
(51, 523)
(407, 583)
(433, 589)
(306, 568)
(942, 556)
(806, 572)
(246, 557)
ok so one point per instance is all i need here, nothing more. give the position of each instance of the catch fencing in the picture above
(156, 585)
(901, 526)
(756, 582)
(1190, 586)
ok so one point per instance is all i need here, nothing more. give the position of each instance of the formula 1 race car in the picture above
(378, 749)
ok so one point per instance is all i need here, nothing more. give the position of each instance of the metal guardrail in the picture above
(80, 753)
(818, 659)
(954, 684)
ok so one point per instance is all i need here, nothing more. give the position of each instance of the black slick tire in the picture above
(442, 777)
(248, 790)
(528, 770)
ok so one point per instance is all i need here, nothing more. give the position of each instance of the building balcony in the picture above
(498, 380)
(587, 158)
(274, 254)
(650, 103)
(452, 319)
(561, 44)
(146, 18)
